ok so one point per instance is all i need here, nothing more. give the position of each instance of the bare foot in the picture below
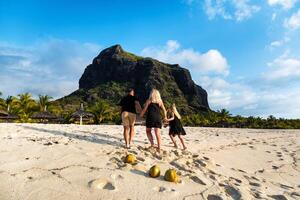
(158, 150)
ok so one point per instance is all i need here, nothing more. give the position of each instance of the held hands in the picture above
(165, 122)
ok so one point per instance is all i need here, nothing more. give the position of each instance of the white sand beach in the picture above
(63, 162)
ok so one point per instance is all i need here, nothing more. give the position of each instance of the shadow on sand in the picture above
(94, 138)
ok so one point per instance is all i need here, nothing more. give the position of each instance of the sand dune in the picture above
(40, 161)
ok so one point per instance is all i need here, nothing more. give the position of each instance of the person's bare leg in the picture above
(131, 135)
(173, 140)
(150, 137)
(158, 138)
(126, 136)
(182, 142)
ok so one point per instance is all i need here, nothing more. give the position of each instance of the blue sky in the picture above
(245, 53)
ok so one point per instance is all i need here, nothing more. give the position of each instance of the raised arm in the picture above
(145, 108)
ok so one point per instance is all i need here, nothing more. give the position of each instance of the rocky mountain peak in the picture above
(114, 70)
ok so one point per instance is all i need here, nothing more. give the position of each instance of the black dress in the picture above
(176, 127)
(153, 118)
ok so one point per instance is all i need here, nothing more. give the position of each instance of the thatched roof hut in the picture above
(8, 117)
(44, 116)
(82, 115)
(3, 113)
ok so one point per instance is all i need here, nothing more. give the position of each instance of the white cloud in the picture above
(238, 10)
(276, 44)
(223, 94)
(285, 4)
(280, 102)
(244, 10)
(293, 22)
(261, 97)
(279, 43)
(250, 99)
(214, 8)
(283, 67)
(51, 66)
(211, 61)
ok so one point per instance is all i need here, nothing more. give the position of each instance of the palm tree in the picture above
(102, 111)
(8, 103)
(239, 121)
(224, 114)
(44, 101)
(271, 121)
(213, 118)
(25, 106)
(2, 103)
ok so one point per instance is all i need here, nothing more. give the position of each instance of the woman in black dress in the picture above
(176, 127)
(153, 118)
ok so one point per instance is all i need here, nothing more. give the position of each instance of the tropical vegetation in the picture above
(24, 106)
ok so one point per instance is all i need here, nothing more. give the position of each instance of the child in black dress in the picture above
(176, 127)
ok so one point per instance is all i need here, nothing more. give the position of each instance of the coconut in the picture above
(130, 158)
(171, 176)
(154, 171)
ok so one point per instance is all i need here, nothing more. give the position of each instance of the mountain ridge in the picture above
(114, 70)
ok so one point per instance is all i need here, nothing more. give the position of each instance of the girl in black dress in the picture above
(153, 118)
(176, 127)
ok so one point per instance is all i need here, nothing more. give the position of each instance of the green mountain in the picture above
(114, 70)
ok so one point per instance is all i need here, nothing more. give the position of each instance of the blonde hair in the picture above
(155, 96)
(174, 110)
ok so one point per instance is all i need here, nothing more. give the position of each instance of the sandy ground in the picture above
(40, 161)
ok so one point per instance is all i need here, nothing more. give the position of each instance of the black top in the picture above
(176, 127)
(128, 103)
(153, 118)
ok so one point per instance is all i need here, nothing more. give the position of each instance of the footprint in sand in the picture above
(295, 194)
(214, 197)
(256, 194)
(212, 177)
(163, 189)
(197, 180)
(195, 155)
(200, 162)
(278, 197)
(254, 184)
(234, 193)
(253, 177)
(206, 158)
(261, 171)
(101, 184)
(235, 179)
(275, 167)
(160, 189)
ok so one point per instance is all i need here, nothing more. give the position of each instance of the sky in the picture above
(244, 53)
